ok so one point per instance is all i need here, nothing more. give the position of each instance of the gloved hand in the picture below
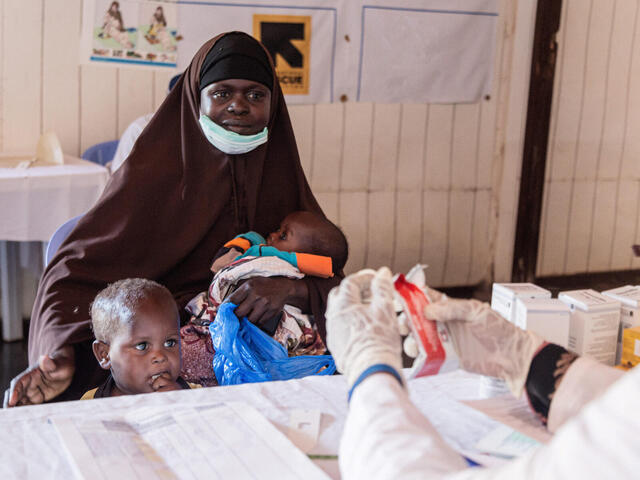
(485, 342)
(361, 324)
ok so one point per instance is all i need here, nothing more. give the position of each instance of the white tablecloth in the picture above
(37, 200)
(30, 447)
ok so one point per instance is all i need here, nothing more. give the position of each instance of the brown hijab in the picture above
(164, 214)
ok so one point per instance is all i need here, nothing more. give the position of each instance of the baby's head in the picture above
(306, 232)
(136, 325)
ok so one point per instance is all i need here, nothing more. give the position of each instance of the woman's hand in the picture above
(44, 381)
(262, 298)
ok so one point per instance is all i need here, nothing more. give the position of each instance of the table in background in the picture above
(34, 202)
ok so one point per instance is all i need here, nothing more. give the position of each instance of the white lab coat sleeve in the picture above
(387, 438)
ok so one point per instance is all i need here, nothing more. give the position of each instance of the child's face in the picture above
(146, 357)
(295, 233)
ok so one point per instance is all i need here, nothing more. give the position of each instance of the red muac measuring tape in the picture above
(436, 353)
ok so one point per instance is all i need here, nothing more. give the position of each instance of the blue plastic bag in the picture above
(245, 354)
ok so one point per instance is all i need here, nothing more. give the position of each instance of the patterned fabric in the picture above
(296, 331)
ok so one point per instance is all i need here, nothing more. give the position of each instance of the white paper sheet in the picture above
(216, 441)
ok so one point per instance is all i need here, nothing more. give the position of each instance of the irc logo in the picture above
(288, 39)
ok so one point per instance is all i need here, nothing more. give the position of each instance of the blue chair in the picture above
(101, 153)
(58, 237)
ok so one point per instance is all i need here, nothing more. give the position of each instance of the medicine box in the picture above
(548, 317)
(631, 347)
(503, 296)
(595, 320)
(629, 298)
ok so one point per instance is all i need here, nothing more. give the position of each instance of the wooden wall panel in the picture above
(160, 86)
(135, 96)
(98, 105)
(381, 234)
(327, 151)
(61, 73)
(480, 238)
(384, 147)
(302, 120)
(576, 249)
(358, 124)
(594, 148)
(22, 75)
(626, 215)
(408, 230)
(602, 233)
(435, 225)
(458, 262)
(438, 151)
(464, 146)
(354, 224)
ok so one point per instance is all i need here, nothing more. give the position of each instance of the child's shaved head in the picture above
(116, 305)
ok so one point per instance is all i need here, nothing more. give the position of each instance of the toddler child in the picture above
(136, 325)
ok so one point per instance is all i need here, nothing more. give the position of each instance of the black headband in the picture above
(236, 55)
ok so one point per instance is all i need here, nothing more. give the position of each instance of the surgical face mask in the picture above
(231, 143)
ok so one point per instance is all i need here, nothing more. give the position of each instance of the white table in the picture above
(31, 447)
(34, 202)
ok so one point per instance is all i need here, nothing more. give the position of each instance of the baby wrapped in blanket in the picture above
(304, 244)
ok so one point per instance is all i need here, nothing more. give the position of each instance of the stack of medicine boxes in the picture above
(583, 321)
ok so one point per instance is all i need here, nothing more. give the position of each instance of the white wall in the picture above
(431, 183)
(591, 209)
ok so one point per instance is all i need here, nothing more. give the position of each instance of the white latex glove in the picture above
(485, 342)
(361, 323)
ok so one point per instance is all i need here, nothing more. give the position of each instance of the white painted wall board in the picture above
(160, 86)
(551, 260)
(486, 143)
(602, 226)
(626, 213)
(354, 221)
(381, 234)
(461, 215)
(98, 105)
(617, 86)
(384, 147)
(434, 237)
(358, 124)
(302, 121)
(631, 154)
(590, 134)
(135, 96)
(579, 233)
(61, 73)
(329, 203)
(464, 155)
(22, 75)
(480, 238)
(438, 151)
(412, 142)
(568, 96)
(327, 155)
(408, 228)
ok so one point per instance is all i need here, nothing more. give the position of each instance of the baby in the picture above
(308, 243)
(136, 325)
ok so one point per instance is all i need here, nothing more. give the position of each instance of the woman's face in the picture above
(241, 106)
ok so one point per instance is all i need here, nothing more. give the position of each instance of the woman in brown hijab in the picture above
(177, 199)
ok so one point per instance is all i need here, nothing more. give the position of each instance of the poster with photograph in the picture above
(132, 32)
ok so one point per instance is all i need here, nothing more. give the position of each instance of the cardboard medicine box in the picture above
(504, 295)
(629, 298)
(548, 317)
(631, 347)
(595, 320)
